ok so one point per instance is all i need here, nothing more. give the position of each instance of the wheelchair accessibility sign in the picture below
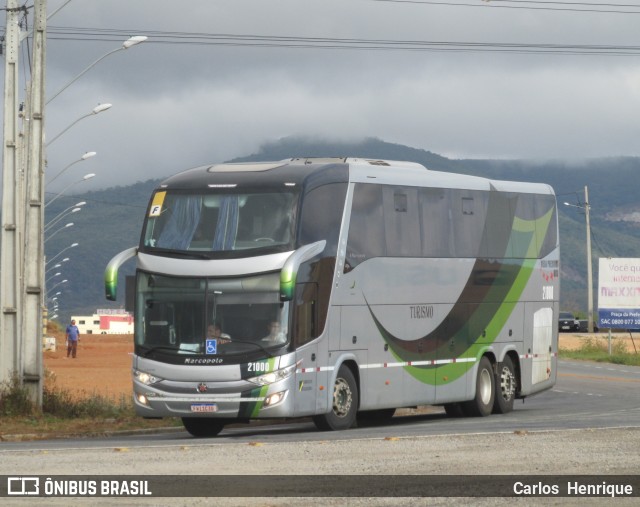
(212, 346)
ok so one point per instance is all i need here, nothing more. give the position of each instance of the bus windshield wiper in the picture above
(180, 253)
(189, 254)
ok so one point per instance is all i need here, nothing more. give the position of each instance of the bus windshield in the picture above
(209, 317)
(220, 222)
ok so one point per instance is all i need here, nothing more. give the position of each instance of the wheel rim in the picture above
(507, 384)
(485, 386)
(342, 398)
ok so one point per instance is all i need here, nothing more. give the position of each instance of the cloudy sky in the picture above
(218, 78)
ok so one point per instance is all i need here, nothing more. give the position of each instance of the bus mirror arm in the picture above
(111, 271)
(292, 265)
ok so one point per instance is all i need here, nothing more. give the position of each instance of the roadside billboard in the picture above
(619, 293)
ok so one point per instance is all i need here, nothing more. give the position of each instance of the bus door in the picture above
(312, 371)
(539, 366)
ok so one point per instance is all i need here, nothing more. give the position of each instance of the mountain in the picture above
(112, 219)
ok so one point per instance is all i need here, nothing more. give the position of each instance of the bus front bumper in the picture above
(253, 402)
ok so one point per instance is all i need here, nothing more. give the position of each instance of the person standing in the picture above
(73, 336)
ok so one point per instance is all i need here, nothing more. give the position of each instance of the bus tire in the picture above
(506, 386)
(373, 417)
(344, 405)
(202, 427)
(482, 404)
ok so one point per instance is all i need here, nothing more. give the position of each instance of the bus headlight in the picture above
(145, 378)
(274, 399)
(274, 376)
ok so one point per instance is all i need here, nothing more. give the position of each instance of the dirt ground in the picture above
(102, 365)
(103, 362)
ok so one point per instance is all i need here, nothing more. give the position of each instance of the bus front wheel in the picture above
(482, 404)
(344, 406)
(201, 427)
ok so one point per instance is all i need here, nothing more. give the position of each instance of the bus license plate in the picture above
(204, 407)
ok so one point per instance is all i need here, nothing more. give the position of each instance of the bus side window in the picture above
(546, 204)
(401, 221)
(305, 318)
(366, 228)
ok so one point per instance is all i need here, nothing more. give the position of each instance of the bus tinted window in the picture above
(437, 222)
(500, 212)
(322, 210)
(366, 229)
(470, 214)
(401, 221)
(180, 315)
(220, 222)
(545, 211)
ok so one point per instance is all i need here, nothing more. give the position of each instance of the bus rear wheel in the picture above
(344, 406)
(482, 404)
(201, 427)
(506, 385)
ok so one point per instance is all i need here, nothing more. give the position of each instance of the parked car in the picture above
(567, 322)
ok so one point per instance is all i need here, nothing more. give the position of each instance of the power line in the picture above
(331, 43)
(491, 4)
(589, 4)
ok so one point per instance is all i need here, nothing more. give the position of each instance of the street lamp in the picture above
(84, 178)
(74, 210)
(72, 245)
(54, 296)
(130, 42)
(59, 283)
(59, 265)
(70, 224)
(52, 277)
(71, 209)
(87, 155)
(98, 109)
(586, 207)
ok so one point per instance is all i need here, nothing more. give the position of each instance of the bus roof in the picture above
(360, 170)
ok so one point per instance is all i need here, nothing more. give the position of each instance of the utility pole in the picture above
(589, 265)
(10, 259)
(32, 376)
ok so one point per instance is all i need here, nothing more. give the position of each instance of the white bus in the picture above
(341, 289)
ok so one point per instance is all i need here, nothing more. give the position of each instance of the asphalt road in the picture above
(586, 395)
(589, 423)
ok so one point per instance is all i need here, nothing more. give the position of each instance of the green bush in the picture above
(597, 349)
(60, 403)
(14, 398)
